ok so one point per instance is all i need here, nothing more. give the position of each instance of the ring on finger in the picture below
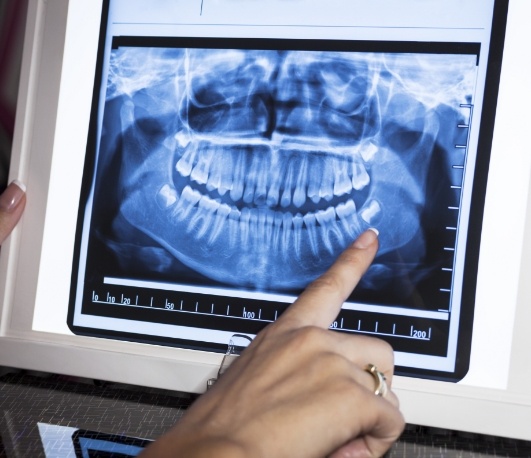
(380, 384)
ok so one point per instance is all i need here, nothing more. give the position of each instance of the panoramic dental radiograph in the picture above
(255, 168)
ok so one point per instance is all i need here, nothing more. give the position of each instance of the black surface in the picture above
(115, 415)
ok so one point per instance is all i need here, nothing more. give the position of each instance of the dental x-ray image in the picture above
(253, 167)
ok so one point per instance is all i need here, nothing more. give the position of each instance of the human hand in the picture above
(12, 203)
(300, 389)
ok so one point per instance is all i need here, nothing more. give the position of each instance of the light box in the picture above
(191, 166)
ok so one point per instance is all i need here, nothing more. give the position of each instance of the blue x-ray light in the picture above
(257, 168)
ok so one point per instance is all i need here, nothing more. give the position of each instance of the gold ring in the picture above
(380, 385)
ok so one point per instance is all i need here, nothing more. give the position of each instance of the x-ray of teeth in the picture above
(256, 168)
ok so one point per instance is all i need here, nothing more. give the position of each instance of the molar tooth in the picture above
(299, 195)
(327, 221)
(200, 171)
(311, 229)
(343, 183)
(368, 151)
(236, 192)
(360, 177)
(202, 219)
(221, 216)
(186, 163)
(166, 196)
(349, 218)
(370, 212)
(183, 138)
(189, 198)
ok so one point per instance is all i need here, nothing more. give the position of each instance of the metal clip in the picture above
(237, 343)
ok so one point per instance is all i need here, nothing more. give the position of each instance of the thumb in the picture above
(12, 202)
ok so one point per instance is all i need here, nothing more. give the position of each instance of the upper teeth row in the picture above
(261, 177)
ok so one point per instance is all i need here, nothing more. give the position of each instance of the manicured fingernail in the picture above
(12, 196)
(367, 238)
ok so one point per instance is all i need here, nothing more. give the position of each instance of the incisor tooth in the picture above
(299, 195)
(238, 180)
(327, 181)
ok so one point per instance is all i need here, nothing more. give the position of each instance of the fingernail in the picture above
(12, 196)
(367, 238)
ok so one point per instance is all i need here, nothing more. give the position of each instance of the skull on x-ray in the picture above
(257, 168)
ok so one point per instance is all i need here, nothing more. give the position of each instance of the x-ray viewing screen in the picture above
(223, 173)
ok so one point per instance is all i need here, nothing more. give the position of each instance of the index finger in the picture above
(321, 301)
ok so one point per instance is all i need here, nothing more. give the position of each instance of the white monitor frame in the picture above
(495, 401)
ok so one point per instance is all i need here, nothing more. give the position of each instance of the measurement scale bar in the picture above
(256, 316)
(230, 293)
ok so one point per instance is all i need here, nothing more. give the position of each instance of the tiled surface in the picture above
(49, 416)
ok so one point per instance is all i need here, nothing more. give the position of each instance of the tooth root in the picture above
(252, 177)
(314, 179)
(245, 217)
(360, 177)
(285, 201)
(343, 183)
(188, 199)
(263, 171)
(348, 217)
(311, 230)
(234, 225)
(287, 223)
(326, 190)
(220, 221)
(297, 234)
(277, 231)
(299, 195)
(166, 196)
(236, 192)
(327, 221)
(214, 177)
(186, 163)
(267, 218)
(202, 220)
(273, 194)
(226, 174)
(370, 212)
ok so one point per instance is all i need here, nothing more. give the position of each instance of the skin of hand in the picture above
(299, 389)
(12, 203)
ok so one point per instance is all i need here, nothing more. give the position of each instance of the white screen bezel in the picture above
(38, 135)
